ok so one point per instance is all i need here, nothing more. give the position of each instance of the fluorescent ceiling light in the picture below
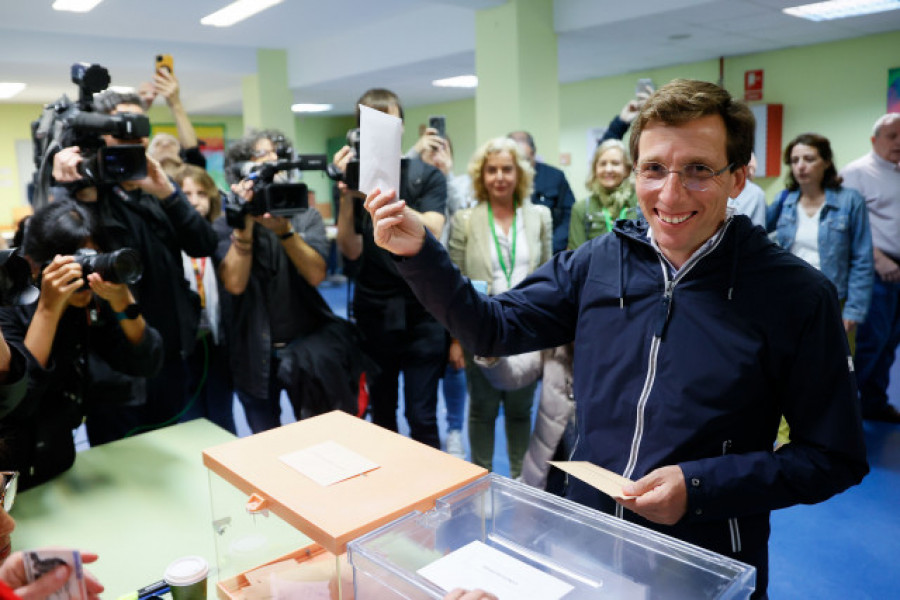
(237, 11)
(461, 81)
(840, 9)
(311, 108)
(8, 90)
(75, 5)
(121, 89)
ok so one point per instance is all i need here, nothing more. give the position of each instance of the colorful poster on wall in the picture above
(893, 95)
(212, 145)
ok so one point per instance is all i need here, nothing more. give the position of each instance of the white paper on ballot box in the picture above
(477, 565)
(379, 150)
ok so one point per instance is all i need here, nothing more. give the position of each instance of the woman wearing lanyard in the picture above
(612, 195)
(211, 388)
(497, 243)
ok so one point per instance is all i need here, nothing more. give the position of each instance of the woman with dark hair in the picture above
(81, 329)
(825, 223)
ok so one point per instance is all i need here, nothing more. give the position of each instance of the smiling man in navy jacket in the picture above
(693, 334)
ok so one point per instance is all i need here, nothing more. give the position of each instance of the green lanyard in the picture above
(512, 253)
(609, 221)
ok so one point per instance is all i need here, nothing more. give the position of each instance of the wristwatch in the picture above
(132, 311)
(287, 235)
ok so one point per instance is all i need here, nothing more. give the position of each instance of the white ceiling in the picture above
(338, 48)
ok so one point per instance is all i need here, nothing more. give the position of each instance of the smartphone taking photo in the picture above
(164, 60)
(438, 122)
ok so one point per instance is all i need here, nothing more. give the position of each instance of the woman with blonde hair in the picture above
(612, 194)
(497, 243)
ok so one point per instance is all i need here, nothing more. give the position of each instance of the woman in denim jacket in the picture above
(826, 224)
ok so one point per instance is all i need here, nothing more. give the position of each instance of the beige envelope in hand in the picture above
(603, 479)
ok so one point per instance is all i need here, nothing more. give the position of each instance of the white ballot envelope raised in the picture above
(603, 479)
(379, 150)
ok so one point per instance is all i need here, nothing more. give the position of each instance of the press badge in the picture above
(480, 286)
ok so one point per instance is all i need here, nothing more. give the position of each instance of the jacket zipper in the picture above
(665, 307)
(733, 527)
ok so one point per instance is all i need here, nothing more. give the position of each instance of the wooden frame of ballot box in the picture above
(410, 476)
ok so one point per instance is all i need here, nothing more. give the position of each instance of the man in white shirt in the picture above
(877, 177)
(752, 199)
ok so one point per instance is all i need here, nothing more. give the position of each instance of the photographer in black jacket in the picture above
(79, 326)
(281, 333)
(399, 333)
(152, 216)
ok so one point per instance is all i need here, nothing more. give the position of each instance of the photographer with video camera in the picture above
(101, 161)
(270, 258)
(399, 333)
(82, 323)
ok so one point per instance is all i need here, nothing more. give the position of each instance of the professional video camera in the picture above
(276, 198)
(122, 266)
(65, 123)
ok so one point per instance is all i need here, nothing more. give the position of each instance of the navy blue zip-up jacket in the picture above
(694, 371)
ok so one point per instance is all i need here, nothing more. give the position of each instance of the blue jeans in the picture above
(876, 345)
(454, 386)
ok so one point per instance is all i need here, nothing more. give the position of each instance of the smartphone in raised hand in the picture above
(164, 60)
(438, 122)
(644, 86)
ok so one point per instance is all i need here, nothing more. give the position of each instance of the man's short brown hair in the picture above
(683, 100)
(379, 99)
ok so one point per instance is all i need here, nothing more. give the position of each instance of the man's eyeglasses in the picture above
(697, 178)
(10, 482)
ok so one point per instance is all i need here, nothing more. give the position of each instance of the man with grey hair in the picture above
(752, 199)
(877, 177)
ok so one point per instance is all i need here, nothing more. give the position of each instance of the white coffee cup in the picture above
(186, 577)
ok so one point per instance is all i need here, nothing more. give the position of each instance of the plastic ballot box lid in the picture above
(408, 476)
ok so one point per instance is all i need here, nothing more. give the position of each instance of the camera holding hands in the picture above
(260, 191)
(69, 280)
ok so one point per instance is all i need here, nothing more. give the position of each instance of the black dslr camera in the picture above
(350, 175)
(122, 266)
(65, 123)
(277, 199)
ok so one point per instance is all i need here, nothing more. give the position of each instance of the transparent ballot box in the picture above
(522, 543)
(286, 502)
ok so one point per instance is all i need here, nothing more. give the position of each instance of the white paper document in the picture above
(328, 463)
(379, 150)
(477, 565)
